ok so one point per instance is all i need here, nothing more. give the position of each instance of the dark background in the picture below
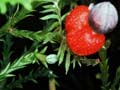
(79, 79)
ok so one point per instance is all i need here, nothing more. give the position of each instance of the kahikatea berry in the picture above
(77, 18)
(103, 17)
(81, 39)
(85, 42)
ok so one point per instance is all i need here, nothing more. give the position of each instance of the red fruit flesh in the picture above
(81, 39)
(85, 42)
(77, 18)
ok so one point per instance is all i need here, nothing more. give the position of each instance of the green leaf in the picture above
(10, 75)
(63, 16)
(103, 53)
(26, 4)
(74, 63)
(107, 44)
(47, 1)
(34, 36)
(79, 63)
(49, 6)
(17, 64)
(48, 38)
(61, 52)
(50, 16)
(4, 3)
(44, 49)
(54, 25)
(61, 57)
(48, 10)
(67, 62)
(5, 70)
(116, 79)
(50, 1)
(3, 7)
(42, 59)
(104, 67)
(35, 81)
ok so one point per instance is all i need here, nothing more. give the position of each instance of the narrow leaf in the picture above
(44, 49)
(63, 17)
(50, 16)
(74, 63)
(48, 6)
(61, 53)
(5, 70)
(10, 75)
(67, 62)
(48, 10)
(79, 63)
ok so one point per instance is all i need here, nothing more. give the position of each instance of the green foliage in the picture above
(32, 76)
(17, 64)
(52, 11)
(52, 34)
(104, 68)
(25, 3)
(116, 80)
(6, 50)
(104, 74)
(40, 36)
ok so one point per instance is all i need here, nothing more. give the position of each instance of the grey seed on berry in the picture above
(103, 17)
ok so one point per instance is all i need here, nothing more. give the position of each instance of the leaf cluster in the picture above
(52, 35)
(104, 68)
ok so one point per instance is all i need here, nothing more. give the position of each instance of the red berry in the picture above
(77, 18)
(81, 39)
(85, 42)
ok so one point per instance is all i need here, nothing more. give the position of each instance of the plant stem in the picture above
(52, 85)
